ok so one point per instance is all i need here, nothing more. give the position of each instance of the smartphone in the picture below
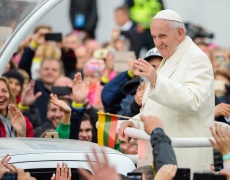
(52, 135)
(53, 37)
(134, 175)
(143, 83)
(61, 90)
(100, 53)
(182, 174)
(11, 176)
(207, 176)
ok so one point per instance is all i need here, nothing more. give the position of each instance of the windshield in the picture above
(12, 13)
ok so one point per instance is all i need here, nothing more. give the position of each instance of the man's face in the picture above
(121, 18)
(165, 38)
(50, 71)
(54, 114)
(15, 86)
(85, 133)
(71, 42)
(123, 144)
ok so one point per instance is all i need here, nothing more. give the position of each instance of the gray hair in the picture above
(177, 25)
(146, 170)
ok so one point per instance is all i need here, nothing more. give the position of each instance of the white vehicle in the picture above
(40, 156)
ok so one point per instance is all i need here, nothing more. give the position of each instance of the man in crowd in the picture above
(180, 92)
(86, 129)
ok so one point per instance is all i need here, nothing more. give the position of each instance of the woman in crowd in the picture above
(12, 122)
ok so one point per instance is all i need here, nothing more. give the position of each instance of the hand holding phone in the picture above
(52, 135)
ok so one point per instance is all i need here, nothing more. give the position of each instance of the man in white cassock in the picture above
(180, 92)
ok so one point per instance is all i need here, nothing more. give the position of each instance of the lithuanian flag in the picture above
(106, 131)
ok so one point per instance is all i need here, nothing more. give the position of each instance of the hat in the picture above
(131, 86)
(152, 53)
(168, 15)
(16, 75)
(94, 66)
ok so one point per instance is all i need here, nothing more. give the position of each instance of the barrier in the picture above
(176, 142)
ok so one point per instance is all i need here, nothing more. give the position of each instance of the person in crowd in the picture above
(91, 45)
(44, 51)
(54, 115)
(71, 42)
(38, 38)
(127, 28)
(86, 129)
(90, 110)
(142, 12)
(16, 82)
(92, 73)
(222, 86)
(62, 127)
(128, 145)
(50, 71)
(180, 92)
(219, 59)
(83, 17)
(12, 122)
(122, 95)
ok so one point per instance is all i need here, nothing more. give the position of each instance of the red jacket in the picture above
(29, 129)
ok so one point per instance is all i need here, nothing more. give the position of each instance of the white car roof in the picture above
(36, 153)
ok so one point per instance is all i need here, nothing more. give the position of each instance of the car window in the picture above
(46, 173)
(12, 12)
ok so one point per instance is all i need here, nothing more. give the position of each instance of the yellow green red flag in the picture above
(106, 131)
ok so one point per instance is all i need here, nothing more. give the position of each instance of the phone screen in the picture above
(182, 174)
(134, 175)
(61, 90)
(53, 37)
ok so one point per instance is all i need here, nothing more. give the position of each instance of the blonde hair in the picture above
(49, 51)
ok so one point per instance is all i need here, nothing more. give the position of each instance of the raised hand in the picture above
(124, 125)
(54, 99)
(80, 89)
(145, 70)
(17, 120)
(222, 138)
(28, 96)
(62, 173)
(101, 169)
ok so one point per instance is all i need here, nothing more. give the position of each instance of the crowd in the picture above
(53, 86)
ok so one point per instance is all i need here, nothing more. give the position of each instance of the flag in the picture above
(106, 131)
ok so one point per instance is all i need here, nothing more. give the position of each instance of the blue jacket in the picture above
(115, 101)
